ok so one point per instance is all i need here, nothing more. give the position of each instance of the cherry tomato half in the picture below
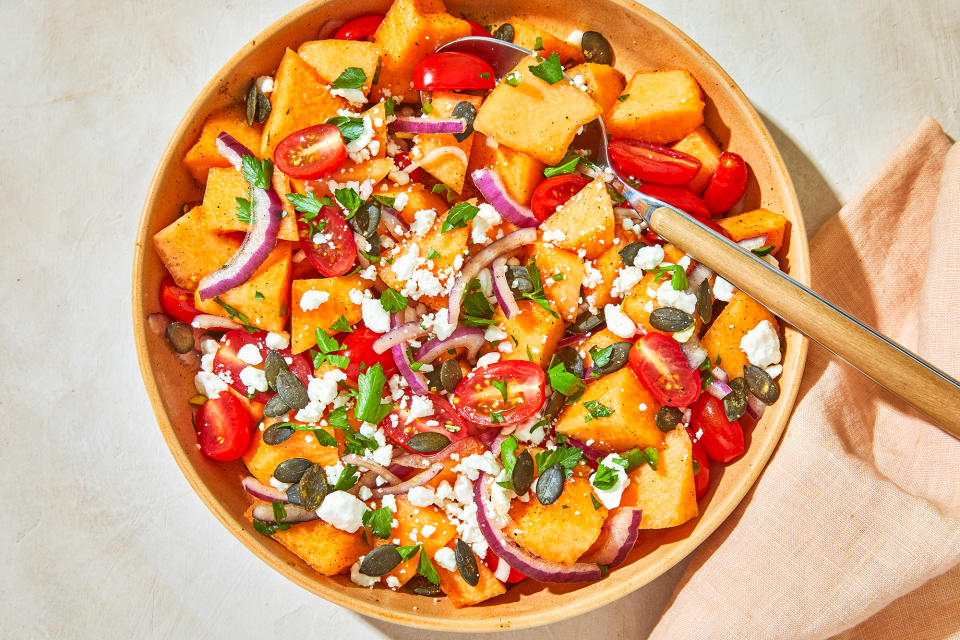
(361, 28)
(679, 197)
(727, 184)
(328, 242)
(177, 302)
(228, 366)
(553, 192)
(311, 152)
(701, 478)
(453, 71)
(449, 421)
(480, 397)
(721, 439)
(652, 163)
(358, 346)
(477, 29)
(492, 561)
(662, 368)
(223, 428)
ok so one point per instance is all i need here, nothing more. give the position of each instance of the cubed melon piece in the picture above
(447, 474)
(599, 340)
(535, 117)
(270, 309)
(448, 168)
(667, 496)
(741, 315)
(224, 186)
(639, 303)
(701, 145)
(409, 530)
(562, 273)
(418, 197)
(370, 162)
(553, 532)
(262, 458)
(759, 222)
(300, 99)
(304, 324)
(609, 265)
(519, 172)
(462, 594)
(410, 32)
(604, 83)
(330, 58)
(584, 223)
(323, 547)
(203, 155)
(526, 34)
(534, 332)
(190, 250)
(631, 423)
(660, 107)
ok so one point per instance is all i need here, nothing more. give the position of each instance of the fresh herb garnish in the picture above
(615, 195)
(426, 107)
(425, 567)
(392, 301)
(387, 201)
(596, 409)
(652, 456)
(601, 357)
(324, 439)
(257, 172)
(388, 106)
(513, 78)
(433, 254)
(763, 251)
(326, 344)
(496, 417)
(565, 382)
(567, 166)
(349, 200)
(379, 520)
(350, 127)
(356, 442)
(537, 294)
(501, 386)
(350, 78)
(458, 216)
(606, 477)
(538, 45)
(483, 75)
(550, 70)
(348, 478)
(244, 214)
(596, 503)
(676, 273)
(477, 310)
(369, 393)
(258, 296)
(566, 457)
(623, 97)
(233, 314)
(267, 529)
(408, 552)
(441, 189)
(706, 374)
(341, 325)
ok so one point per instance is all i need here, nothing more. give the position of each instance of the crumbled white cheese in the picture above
(390, 502)
(421, 496)
(774, 370)
(493, 333)
(250, 354)
(374, 315)
(420, 407)
(404, 266)
(277, 341)
(343, 510)
(279, 486)
(722, 289)
(554, 235)
(446, 558)
(400, 201)
(648, 258)
(360, 579)
(488, 358)
(667, 296)
(254, 378)
(486, 218)
(526, 433)
(472, 465)
(422, 221)
(206, 362)
(626, 279)
(365, 493)
(354, 96)
(592, 276)
(618, 322)
(441, 326)
(209, 347)
(322, 391)
(428, 530)
(611, 497)
(363, 139)
(762, 345)
(312, 299)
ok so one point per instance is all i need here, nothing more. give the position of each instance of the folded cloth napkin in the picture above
(854, 526)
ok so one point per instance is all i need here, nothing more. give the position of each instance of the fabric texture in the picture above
(853, 529)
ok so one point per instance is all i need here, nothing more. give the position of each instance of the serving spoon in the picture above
(887, 363)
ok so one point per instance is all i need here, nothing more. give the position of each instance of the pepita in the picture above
(263, 107)
(761, 384)
(313, 487)
(428, 442)
(293, 494)
(585, 322)
(366, 219)
(180, 337)
(668, 418)
(619, 355)
(550, 485)
(468, 112)
(596, 48)
(450, 375)
(504, 32)
(571, 360)
(293, 392)
(522, 476)
(381, 560)
(273, 365)
(275, 407)
(467, 563)
(518, 279)
(629, 253)
(705, 301)
(291, 470)
(735, 402)
(554, 406)
(252, 102)
(420, 586)
(274, 435)
(670, 319)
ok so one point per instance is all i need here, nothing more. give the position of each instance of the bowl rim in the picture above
(800, 269)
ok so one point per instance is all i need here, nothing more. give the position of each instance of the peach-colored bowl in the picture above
(642, 40)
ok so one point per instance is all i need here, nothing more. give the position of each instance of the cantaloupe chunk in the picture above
(609, 265)
(447, 474)
(526, 34)
(599, 340)
(411, 31)
(190, 250)
(666, 495)
(535, 117)
(370, 162)
(300, 99)
(261, 458)
(604, 83)
(701, 145)
(584, 223)
(271, 281)
(330, 58)
(448, 169)
(562, 273)
(224, 186)
(630, 425)
(418, 198)
(323, 547)
(462, 594)
(759, 222)
(639, 304)
(553, 532)
(741, 315)
(304, 324)
(519, 172)
(203, 155)
(660, 107)
(409, 530)
(534, 332)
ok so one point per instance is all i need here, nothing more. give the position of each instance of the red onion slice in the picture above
(264, 492)
(753, 243)
(394, 223)
(429, 125)
(412, 461)
(523, 561)
(509, 242)
(415, 380)
(491, 188)
(207, 321)
(470, 338)
(720, 374)
(693, 352)
(295, 513)
(698, 274)
(591, 454)
(501, 288)
(755, 406)
(399, 335)
(416, 481)
(719, 390)
(370, 465)
(619, 533)
(573, 339)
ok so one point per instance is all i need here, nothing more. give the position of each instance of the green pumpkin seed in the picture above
(596, 48)
(252, 102)
(381, 560)
(619, 355)
(668, 418)
(522, 476)
(735, 402)
(293, 494)
(450, 375)
(504, 32)
(293, 392)
(366, 220)
(554, 406)
(273, 365)
(428, 442)
(629, 253)
(550, 485)
(467, 563)
(274, 435)
(420, 586)
(585, 322)
(705, 301)
(263, 107)
(313, 487)
(670, 319)
(518, 279)
(275, 407)
(761, 384)
(571, 360)
(468, 112)
(291, 470)
(180, 337)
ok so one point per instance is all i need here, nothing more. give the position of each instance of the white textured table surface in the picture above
(100, 534)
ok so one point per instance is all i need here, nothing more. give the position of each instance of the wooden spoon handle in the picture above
(903, 373)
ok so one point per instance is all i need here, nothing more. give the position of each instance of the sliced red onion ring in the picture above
(698, 274)
(491, 188)
(439, 152)
(400, 334)
(523, 561)
(416, 481)
(421, 461)
(415, 380)
(369, 465)
(619, 533)
(266, 211)
(509, 242)
(693, 352)
(719, 390)
(720, 374)
(295, 513)
(429, 125)
(412, 461)
(566, 341)
(471, 338)
(264, 492)
(394, 223)
(329, 28)
(755, 406)
(207, 321)
(591, 454)
(753, 243)
(501, 288)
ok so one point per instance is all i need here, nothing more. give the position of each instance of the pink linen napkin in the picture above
(856, 519)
